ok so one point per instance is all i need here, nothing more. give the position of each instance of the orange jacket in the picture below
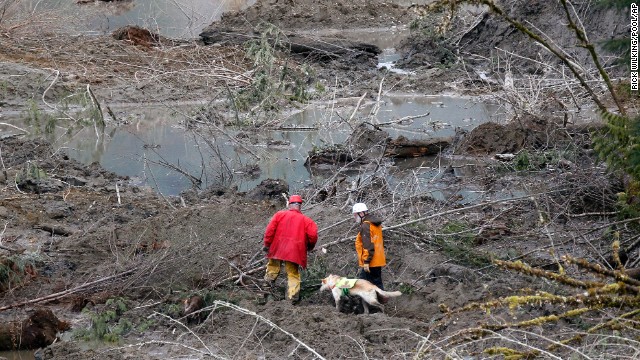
(369, 243)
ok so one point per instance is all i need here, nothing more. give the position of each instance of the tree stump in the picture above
(37, 331)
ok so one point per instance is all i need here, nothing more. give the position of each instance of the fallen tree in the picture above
(406, 148)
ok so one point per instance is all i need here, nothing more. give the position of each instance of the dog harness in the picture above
(345, 284)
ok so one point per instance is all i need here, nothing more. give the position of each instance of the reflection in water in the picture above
(147, 149)
(153, 149)
(172, 18)
(18, 355)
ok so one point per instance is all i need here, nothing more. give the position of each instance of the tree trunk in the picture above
(405, 148)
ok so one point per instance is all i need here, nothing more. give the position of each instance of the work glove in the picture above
(366, 268)
(265, 248)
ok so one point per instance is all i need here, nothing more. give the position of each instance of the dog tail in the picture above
(384, 296)
(389, 293)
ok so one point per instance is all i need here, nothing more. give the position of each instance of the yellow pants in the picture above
(293, 275)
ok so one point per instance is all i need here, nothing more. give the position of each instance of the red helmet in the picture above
(295, 199)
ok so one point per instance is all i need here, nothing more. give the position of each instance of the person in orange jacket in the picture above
(287, 239)
(369, 245)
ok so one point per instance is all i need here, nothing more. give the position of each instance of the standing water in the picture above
(182, 19)
(155, 150)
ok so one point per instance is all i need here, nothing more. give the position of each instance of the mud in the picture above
(116, 260)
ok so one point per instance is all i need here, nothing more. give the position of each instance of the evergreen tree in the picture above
(619, 144)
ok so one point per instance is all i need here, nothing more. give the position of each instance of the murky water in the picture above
(172, 18)
(183, 19)
(157, 151)
(17, 355)
(154, 145)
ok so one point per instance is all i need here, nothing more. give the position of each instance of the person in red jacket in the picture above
(287, 239)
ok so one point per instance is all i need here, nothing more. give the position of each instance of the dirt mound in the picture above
(491, 138)
(492, 32)
(82, 60)
(26, 84)
(484, 36)
(137, 36)
(291, 14)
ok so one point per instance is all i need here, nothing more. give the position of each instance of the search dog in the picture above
(368, 292)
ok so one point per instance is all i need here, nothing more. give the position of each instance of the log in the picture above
(39, 330)
(402, 147)
(61, 294)
(315, 48)
(55, 229)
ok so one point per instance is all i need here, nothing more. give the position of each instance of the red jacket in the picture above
(289, 236)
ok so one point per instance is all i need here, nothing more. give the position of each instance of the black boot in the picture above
(295, 300)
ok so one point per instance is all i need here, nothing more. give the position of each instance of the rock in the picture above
(56, 229)
(58, 209)
(75, 180)
(40, 186)
(455, 272)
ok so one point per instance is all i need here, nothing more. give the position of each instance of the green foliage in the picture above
(628, 201)
(4, 90)
(36, 118)
(601, 302)
(273, 82)
(534, 160)
(619, 46)
(210, 296)
(458, 243)
(74, 111)
(618, 144)
(31, 171)
(522, 161)
(172, 310)
(14, 268)
(320, 88)
(312, 277)
(108, 324)
(433, 40)
(86, 111)
(406, 289)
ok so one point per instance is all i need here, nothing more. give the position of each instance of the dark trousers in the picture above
(374, 276)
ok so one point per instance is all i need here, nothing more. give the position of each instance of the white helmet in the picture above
(359, 207)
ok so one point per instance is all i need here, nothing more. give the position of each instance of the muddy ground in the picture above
(116, 260)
